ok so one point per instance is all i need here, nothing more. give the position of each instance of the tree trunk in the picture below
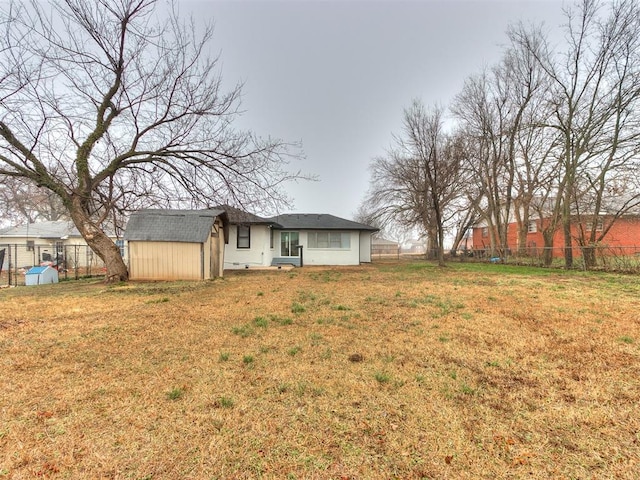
(568, 249)
(493, 241)
(566, 229)
(589, 256)
(440, 251)
(100, 243)
(547, 253)
(432, 245)
(522, 225)
(523, 231)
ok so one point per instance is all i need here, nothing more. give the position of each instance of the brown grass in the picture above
(383, 371)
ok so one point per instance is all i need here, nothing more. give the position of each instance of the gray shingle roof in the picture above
(237, 216)
(318, 221)
(48, 229)
(58, 229)
(383, 241)
(188, 226)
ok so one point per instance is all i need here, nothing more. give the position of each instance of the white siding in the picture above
(365, 247)
(259, 254)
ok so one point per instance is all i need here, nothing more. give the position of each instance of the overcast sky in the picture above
(336, 75)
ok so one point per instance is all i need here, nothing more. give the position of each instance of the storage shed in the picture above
(176, 244)
(41, 276)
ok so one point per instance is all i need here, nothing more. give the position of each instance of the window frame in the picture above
(292, 245)
(246, 237)
(329, 240)
(120, 244)
(599, 225)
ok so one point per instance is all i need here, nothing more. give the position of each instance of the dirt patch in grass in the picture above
(382, 371)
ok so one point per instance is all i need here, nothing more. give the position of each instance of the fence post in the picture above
(9, 264)
(15, 264)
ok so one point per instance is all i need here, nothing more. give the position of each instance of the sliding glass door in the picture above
(289, 242)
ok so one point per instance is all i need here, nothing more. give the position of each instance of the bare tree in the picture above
(595, 101)
(464, 213)
(417, 181)
(492, 110)
(103, 102)
(536, 171)
(481, 112)
(24, 202)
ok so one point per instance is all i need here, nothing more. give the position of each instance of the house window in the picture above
(244, 236)
(271, 237)
(59, 249)
(120, 245)
(30, 245)
(332, 240)
(485, 232)
(533, 226)
(289, 242)
(599, 226)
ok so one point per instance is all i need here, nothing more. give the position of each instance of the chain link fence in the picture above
(599, 257)
(79, 261)
(71, 261)
(594, 258)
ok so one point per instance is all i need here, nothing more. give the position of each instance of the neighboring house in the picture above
(56, 242)
(623, 234)
(382, 246)
(176, 244)
(415, 246)
(295, 239)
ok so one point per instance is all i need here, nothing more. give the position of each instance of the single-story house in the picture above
(295, 239)
(176, 244)
(54, 242)
(415, 246)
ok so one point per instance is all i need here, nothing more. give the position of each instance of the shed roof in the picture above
(36, 270)
(187, 226)
(318, 221)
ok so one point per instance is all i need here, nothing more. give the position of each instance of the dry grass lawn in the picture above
(383, 371)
